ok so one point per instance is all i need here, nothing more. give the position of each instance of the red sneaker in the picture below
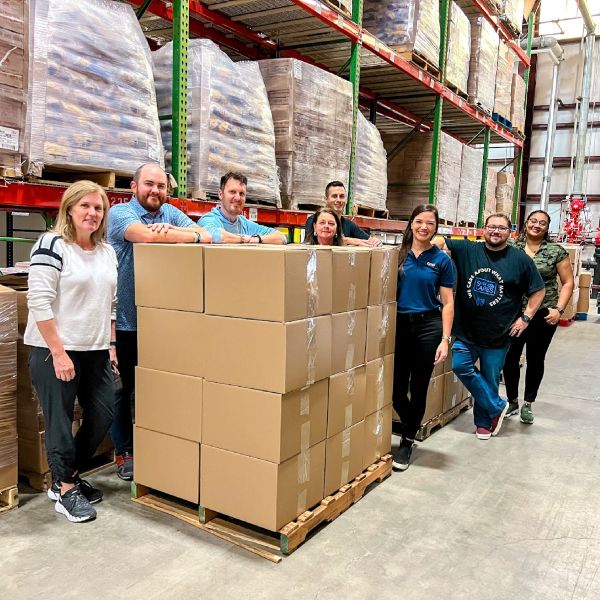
(497, 421)
(483, 434)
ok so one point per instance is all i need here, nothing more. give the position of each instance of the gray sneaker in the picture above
(513, 408)
(75, 506)
(526, 414)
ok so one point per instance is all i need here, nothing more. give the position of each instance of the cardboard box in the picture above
(8, 315)
(169, 276)
(273, 427)
(167, 463)
(381, 330)
(383, 279)
(9, 476)
(435, 398)
(347, 395)
(32, 452)
(349, 330)
(583, 301)
(378, 435)
(443, 367)
(276, 357)
(351, 267)
(454, 391)
(585, 279)
(169, 403)
(269, 283)
(277, 493)
(380, 383)
(344, 457)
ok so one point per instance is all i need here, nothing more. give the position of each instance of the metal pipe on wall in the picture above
(551, 134)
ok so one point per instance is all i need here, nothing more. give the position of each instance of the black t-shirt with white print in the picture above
(491, 285)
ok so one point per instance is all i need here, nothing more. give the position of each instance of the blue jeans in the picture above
(483, 382)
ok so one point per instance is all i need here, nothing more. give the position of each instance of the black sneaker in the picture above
(92, 494)
(74, 505)
(401, 458)
(125, 466)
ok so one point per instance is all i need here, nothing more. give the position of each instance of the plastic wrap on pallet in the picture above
(312, 116)
(406, 26)
(230, 127)
(370, 173)
(92, 103)
(482, 66)
(459, 49)
(513, 13)
(470, 185)
(517, 103)
(8, 314)
(490, 193)
(8, 404)
(504, 193)
(448, 184)
(504, 77)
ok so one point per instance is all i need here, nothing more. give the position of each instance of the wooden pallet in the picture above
(517, 131)
(470, 224)
(421, 62)
(482, 109)
(502, 120)
(447, 222)
(60, 176)
(9, 498)
(336, 5)
(456, 90)
(441, 420)
(269, 545)
(309, 207)
(10, 172)
(367, 211)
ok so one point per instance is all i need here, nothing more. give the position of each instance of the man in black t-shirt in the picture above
(492, 279)
(335, 198)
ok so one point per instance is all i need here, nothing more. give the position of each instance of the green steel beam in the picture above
(142, 9)
(519, 159)
(181, 25)
(444, 24)
(357, 14)
(482, 194)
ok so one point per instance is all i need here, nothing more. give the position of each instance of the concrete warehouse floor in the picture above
(510, 518)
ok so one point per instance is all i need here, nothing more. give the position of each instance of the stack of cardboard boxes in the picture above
(8, 388)
(583, 302)
(574, 251)
(253, 367)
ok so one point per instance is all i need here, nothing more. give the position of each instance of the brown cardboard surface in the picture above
(585, 279)
(344, 457)
(349, 330)
(583, 301)
(264, 425)
(384, 275)
(169, 403)
(169, 276)
(167, 463)
(32, 452)
(276, 357)
(347, 395)
(380, 383)
(378, 435)
(453, 391)
(435, 398)
(9, 476)
(8, 314)
(443, 367)
(351, 267)
(275, 494)
(269, 283)
(381, 330)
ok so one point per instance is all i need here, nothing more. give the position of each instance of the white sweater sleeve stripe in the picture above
(43, 281)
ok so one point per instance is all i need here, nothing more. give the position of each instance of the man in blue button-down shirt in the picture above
(145, 218)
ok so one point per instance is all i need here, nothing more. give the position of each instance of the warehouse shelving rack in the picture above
(399, 96)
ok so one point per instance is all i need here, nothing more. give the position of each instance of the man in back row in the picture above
(335, 198)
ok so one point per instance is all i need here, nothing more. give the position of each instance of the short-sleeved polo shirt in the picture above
(349, 229)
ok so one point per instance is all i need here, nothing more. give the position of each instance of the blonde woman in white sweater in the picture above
(71, 329)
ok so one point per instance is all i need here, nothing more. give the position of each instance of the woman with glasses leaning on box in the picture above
(551, 260)
(71, 331)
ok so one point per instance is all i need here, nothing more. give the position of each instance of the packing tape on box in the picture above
(345, 473)
(384, 325)
(305, 401)
(303, 477)
(348, 416)
(305, 436)
(312, 283)
(350, 328)
(379, 385)
(349, 357)
(346, 443)
(352, 296)
(350, 383)
(311, 340)
(385, 275)
(379, 428)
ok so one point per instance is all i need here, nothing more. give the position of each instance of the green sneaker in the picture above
(526, 414)
(513, 408)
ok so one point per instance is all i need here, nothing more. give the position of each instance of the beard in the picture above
(494, 243)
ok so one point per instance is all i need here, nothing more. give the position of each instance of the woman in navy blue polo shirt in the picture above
(425, 314)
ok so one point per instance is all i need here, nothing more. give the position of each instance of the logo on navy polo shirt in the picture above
(485, 287)
(432, 265)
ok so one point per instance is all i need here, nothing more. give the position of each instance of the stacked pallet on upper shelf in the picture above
(504, 79)
(459, 50)
(470, 186)
(14, 65)
(482, 68)
(504, 192)
(513, 15)
(490, 193)
(517, 104)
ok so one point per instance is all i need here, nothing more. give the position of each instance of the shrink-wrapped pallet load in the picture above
(504, 77)
(92, 104)
(513, 14)
(409, 176)
(470, 185)
(490, 193)
(482, 67)
(459, 49)
(504, 193)
(517, 103)
(406, 26)
(370, 172)
(230, 127)
(14, 62)
(312, 117)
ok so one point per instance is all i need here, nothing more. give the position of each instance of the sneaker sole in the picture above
(511, 413)
(60, 508)
(54, 497)
(399, 467)
(125, 478)
(526, 422)
(483, 436)
(499, 424)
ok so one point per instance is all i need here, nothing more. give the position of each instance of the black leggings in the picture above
(417, 338)
(536, 338)
(93, 386)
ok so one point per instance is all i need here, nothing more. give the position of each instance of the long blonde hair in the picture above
(72, 195)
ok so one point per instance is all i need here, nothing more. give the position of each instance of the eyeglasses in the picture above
(499, 228)
(540, 223)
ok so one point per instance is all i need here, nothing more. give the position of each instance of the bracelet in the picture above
(561, 311)
(259, 238)
(448, 338)
(197, 237)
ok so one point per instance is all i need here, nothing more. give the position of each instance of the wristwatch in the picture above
(561, 311)
(197, 237)
(448, 338)
(525, 318)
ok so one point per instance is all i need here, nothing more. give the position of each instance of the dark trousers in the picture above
(93, 386)
(417, 338)
(121, 431)
(536, 340)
